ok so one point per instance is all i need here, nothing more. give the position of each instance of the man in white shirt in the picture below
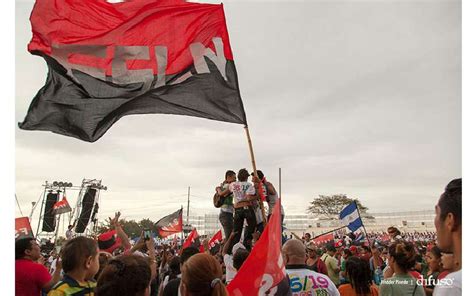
(304, 281)
(244, 194)
(448, 223)
(70, 232)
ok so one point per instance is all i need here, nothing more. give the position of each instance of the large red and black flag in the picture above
(108, 60)
(170, 224)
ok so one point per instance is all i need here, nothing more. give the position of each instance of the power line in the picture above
(16, 198)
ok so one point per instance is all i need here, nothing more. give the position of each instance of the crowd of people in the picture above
(415, 236)
(391, 263)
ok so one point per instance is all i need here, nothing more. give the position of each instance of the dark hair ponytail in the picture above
(404, 254)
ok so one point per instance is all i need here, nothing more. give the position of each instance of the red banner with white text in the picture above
(264, 269)
(23, 228)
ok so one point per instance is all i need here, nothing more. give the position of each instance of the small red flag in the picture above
(171, 224)
(61, 207)
(215, 240)
(193, 241)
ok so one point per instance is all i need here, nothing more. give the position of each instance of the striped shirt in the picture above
(69, 286)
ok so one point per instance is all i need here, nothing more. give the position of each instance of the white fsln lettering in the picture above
(122, 75)
(62, 53)
(161, 54)
(198, 51)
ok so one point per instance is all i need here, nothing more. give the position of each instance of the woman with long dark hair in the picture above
(125, 275)
(360, 279)
(433, 259)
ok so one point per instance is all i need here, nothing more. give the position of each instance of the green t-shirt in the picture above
(331, 264)
(228, 205)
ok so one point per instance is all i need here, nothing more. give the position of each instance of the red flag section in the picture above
(61, 207)
(23, 228)
(320, 240)
(215, 240)
(263, 270)
(108, 60)
(145, 23)
(193, 241)
(261, 191)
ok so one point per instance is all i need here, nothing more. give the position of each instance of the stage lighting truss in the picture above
(94, 183)
(56, 185)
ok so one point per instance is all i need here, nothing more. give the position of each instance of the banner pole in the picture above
(363, 226)
(279, 182)
(327, 232)
(41, 210)
(254, 167)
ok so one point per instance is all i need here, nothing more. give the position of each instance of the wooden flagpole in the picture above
(327, 232)
(254, 167)
(363, 226)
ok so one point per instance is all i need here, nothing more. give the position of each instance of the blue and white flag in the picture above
(359, 236)
(350, 217)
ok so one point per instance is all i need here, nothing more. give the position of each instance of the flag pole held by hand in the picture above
(254, 167)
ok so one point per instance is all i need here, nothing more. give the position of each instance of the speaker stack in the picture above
(86, 209)
(49, 223)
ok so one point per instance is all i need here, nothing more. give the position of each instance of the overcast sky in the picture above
(354, 97)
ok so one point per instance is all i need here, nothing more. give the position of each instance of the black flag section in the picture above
(87, 111)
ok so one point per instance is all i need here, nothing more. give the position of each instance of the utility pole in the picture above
(279, 182)
(187, 215)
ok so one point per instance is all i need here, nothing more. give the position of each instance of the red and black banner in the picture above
(23, 228)
(324, 239)
(170, 224)
(61, 207)
(108, 60)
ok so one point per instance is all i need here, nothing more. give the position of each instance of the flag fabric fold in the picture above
(171, 224)
(61, 207)
(263, 271)
(109, 60)
(350, 217)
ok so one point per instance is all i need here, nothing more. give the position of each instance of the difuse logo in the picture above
(430, 281)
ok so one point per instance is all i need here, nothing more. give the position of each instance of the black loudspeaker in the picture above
(49, 224)
(86, 210)
(94, 213)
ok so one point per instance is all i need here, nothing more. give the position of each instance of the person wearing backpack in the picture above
(224, 199)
